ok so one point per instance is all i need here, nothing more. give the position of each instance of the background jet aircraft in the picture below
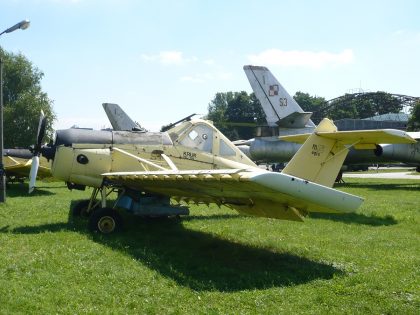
(280, 109)
(194, 162)
(119, 120)
(285, 117)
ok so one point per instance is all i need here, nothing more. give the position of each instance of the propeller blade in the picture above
(33, 173)
(36, 151)
(41, 130)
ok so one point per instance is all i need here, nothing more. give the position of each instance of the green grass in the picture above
(214, 261)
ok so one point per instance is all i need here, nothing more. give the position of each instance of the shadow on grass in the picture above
(198, 260)
(352, 218)
(52, 187)
(19, 190)
(213, 217)
(53, 227)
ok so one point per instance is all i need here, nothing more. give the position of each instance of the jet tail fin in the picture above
(279, 107)
(120, 121)
(322, 154)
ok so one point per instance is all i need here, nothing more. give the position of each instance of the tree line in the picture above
(237, 114)
(23, 100)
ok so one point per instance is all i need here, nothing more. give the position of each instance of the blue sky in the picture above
(163, 60)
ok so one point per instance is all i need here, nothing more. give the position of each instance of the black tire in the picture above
(105, 221)
(80, 209)
(418, 169)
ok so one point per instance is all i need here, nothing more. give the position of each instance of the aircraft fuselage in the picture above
(80, 156)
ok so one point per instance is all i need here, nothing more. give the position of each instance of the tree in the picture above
(414, 121)
(217, 109)
(363, 105)
(343, 107)
(309, 103)
(236, 114)
(23, 100)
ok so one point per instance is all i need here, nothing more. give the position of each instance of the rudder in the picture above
(319, 159)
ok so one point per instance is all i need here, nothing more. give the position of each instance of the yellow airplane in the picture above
(160, 173)
(17, 168)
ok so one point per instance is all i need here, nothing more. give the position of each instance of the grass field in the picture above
(214, 261)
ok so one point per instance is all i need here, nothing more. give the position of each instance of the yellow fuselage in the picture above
(194, 145)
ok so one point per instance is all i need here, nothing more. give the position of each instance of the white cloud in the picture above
(301, 58)
(169, 58)
(205, 69)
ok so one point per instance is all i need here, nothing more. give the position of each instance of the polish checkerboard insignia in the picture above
(274, 90)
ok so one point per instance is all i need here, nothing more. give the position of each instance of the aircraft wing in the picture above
(21, 167)
(250, 191)
(361, 139)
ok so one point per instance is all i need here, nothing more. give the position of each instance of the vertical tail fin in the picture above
(322, 154)
(279, 107)
(119, 119)
(319, 159)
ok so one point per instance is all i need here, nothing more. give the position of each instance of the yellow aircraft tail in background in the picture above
(322, 154)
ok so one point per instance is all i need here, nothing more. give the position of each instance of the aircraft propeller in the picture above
(36, 151)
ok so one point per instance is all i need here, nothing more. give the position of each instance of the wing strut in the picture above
(140, 159)
(169, 161)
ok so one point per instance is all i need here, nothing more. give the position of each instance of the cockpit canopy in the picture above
(199, 135)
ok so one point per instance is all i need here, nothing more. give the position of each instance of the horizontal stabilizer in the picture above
(243, 142)
(295, 120)
(322, 154)
(414, 134)
(358, 138)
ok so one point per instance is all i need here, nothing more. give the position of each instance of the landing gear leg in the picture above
(104, 220)
(85, 208)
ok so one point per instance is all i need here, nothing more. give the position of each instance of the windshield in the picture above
(200, 138)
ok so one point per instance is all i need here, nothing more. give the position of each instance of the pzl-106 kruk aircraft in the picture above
(157, 173)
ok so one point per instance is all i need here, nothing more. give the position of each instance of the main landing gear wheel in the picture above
(81, 209)
(105, 221)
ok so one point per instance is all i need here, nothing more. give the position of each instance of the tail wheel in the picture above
(105, 221)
